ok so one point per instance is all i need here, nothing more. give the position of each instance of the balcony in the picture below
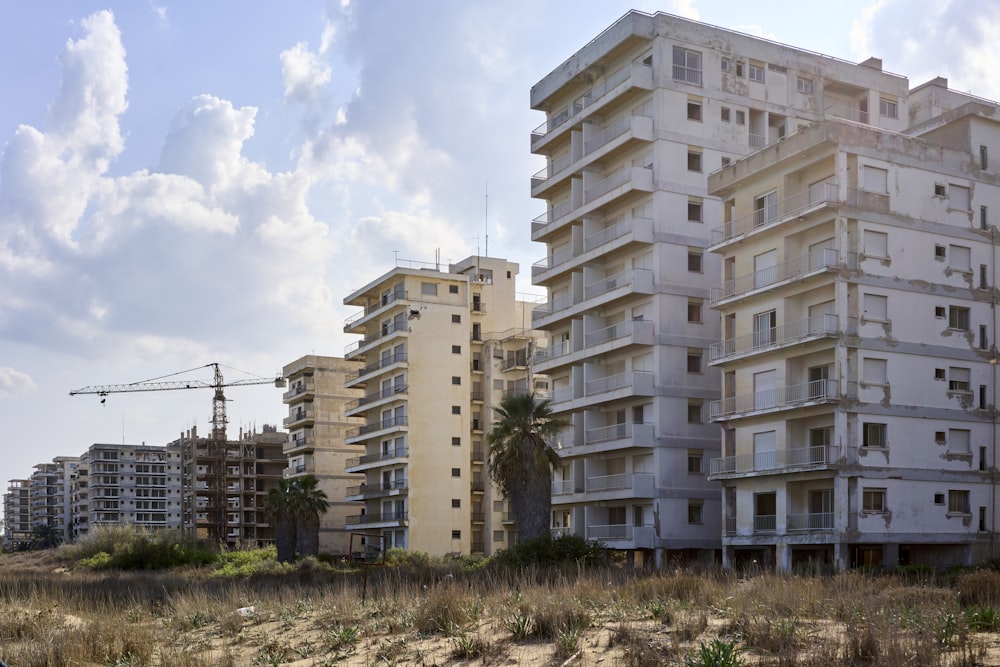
(546, 179)
(812, 521)
(555, 124)
(617, 185)
(639, 537)
(478, 455)
(551, 220)
(306, 389)
(816, 197)
(382, 364)
(612, 437)
(772, 400)
(352, 350)
(354, 320)
(299, 469)
(384, 425)
(765, 523)
(624, 485)
(293, 444)
(389, 518)
(776, 462)
(598, 293)
(641, 229)
(299, 417)
(636, 383)
(355, 464)
(846, 112)
(619, 132)
(815, 262)
(395, 390)
(641, 279)
(812, 328)
(363, 491)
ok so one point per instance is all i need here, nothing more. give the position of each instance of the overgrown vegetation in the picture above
(245, 608)
(127, 548)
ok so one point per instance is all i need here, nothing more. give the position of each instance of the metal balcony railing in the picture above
(617, 331)
(616, 129)
(617, 230)
(391, 422)
(818, 260)
(383, 517)
(765, 523)
(385, 330)
(371, 308)
(395, 358)
(785, 334)
(816, 196)
(778, 398)
(846, 112)
(386, 392)
(562, 487)
(635, 379)
(773, 461)
(810, 521)
(379, 488)
(610, 532)
(614, 180)
(399, 452)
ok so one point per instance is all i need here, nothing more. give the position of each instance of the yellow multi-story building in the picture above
(317, 400)
(439, 348)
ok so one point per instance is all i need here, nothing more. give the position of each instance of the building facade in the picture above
(858, 356)
(439, 348)
(317, 399)
(635, 122)
(17, 513)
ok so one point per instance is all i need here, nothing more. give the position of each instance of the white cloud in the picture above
(305, 74)
(14, 382)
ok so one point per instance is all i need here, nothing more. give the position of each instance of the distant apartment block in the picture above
(17, 513)
(439, 348)
(317, 400)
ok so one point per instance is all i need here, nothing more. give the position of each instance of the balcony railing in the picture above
(395, 358)
(641, 381)
(553, 214)
(730, 525)
(786, 334)
(846, 112)
(818, 195)
(773, 461)
(613, 531)
(391, 422)
(616, 482)
(617, 230)
(371, 308)
(618, 331)
(378, 489)
(778, 398)
(555, 259)
(552, 169)
(384, 517)
(817, 260)
(765, 523)
(605, 285)
(387, 392)
(386, 330)
(636, 123)
(563, 487)
(399, 452)
(638, 175)
(811, 521)
(556, 120)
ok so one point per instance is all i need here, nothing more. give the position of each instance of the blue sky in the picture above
(184, 183)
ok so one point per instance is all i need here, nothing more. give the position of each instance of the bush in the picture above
(128, 548)
(548, 551)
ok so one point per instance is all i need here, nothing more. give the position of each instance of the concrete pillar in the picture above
(727, 557)
(890, 554)
(660, 558)
(630, 559)
(782, 557)
(841, 556)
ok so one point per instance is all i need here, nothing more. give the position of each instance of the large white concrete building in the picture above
(635, 122)
(440, 347)
(858, 349)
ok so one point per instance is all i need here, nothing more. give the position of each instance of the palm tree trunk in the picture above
(285, 538)
(308, 536)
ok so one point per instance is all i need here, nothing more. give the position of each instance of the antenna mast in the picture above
(486, 218)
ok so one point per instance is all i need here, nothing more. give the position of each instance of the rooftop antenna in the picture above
(486, 218)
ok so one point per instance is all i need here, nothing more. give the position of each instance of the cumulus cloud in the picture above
(305, 73)
(14, 382)
(901, 32)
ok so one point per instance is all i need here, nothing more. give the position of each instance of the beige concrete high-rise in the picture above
(440, 347)
(635, 122)
(17, 513)
(317, 400)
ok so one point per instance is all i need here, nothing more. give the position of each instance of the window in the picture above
(452, 289)
(456, 409)
(456, 349)
(694, 361)
(694, 412)
(959, 379)
(724, 161)
(874, 371)
(888, 108)
(498, 536)
(456, 534)
(876, 308)
(873, 500)
(873, 435)
(456, 502)
(939, 437)
(739, 68)
(694, 110)
(724, 114)
(940, 374)
(456, 318)
(958, 502)
(755, 72)
(939, 499)
(940, 252)
(940, 190)
(984, 222)
(741, 117)
(456, 379)
(939, 311)
(687, 65)
(958, 318)
(984, 282)
(804, 85)
(984, 342)
(960, 258)
(984, 158)
(959, 441)
(456, 472)
(695, 459)
(456, 441)
(694, 312)
(876, 179)
(696, 510)
(694, 161)
(694, 261)
(958, 198)
(726, 64)
(694, 210)
(429, 288)
(876, 244)
(765, 208)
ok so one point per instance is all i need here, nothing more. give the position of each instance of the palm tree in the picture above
(45, 536)
(279, 505)
(310, 503)
(521, 459)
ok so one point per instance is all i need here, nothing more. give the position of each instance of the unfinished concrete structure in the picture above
(432, 369)
(17, 514)
(635, 121)
(317, 399)
(858, 353)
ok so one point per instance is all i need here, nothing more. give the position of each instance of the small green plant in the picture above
(982, 618)
(567, 641)
(658, 610)
(341, 637)
(716, 653)
(518, 625)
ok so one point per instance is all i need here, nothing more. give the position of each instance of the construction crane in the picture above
(215, 451)
(219, 419)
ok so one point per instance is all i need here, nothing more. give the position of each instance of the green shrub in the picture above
(547, 551)
(128, 548)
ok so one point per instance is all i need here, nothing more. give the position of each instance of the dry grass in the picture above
(613, 617)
